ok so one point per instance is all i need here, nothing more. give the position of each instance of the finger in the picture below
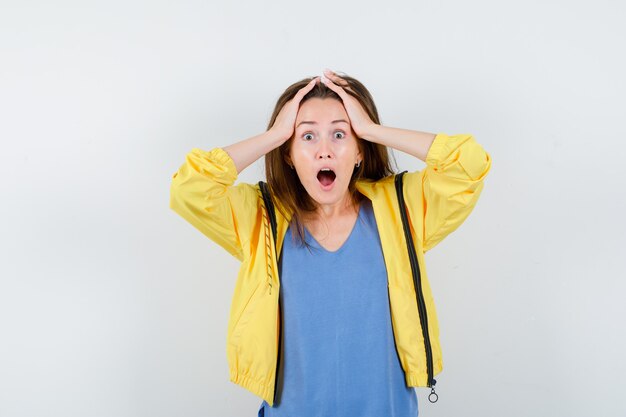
(310, 85)
(342, 84)
(304, 90)
(337, 89)
(335, 78)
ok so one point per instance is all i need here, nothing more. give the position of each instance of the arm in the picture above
(441, 196)
(202, 190)
(247, 151)
(409, 141)
(451, 183)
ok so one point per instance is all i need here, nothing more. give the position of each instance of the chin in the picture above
(321, 197)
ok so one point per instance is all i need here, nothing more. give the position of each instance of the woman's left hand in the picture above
(359, 119)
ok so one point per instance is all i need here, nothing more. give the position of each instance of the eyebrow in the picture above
(308, 122)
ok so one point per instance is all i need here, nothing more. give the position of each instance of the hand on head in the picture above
(286, 118)
(359, 119)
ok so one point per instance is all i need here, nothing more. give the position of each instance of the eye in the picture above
(307, 136)
(341, 135)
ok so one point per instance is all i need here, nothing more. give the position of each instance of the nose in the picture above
(324, 152)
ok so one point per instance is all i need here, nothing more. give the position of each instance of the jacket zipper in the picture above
(280, 337)
(269, 207)
(417, 282)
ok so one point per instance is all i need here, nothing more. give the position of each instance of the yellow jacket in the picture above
(438, 199)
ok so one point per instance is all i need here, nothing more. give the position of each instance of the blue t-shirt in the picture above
(338, 351)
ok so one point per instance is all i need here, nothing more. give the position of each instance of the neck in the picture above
(338, 209)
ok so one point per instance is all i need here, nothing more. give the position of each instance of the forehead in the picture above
(321, 110)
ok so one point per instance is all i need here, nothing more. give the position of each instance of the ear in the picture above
(287, 158)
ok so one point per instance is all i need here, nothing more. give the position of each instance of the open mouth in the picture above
(326, 176)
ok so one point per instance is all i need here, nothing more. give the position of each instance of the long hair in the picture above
(283, 181)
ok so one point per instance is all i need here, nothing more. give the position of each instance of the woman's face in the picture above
(324, 150)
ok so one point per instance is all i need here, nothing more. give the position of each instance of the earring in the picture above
(358, 164)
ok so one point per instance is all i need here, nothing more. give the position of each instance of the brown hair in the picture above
(283, 181)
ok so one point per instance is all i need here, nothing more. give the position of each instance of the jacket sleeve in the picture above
(456, 167)
(202, 192)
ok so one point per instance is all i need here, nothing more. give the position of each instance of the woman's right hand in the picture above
(247, 151)
(284, 124)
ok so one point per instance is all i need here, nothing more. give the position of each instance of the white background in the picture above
(112, 305)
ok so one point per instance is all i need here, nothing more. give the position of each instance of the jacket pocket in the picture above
(246, 311)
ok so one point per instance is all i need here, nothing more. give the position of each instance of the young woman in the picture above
(328, 318)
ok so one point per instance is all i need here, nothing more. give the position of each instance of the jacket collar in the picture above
(369, 188)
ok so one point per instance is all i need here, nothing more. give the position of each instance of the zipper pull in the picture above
(433, 397)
